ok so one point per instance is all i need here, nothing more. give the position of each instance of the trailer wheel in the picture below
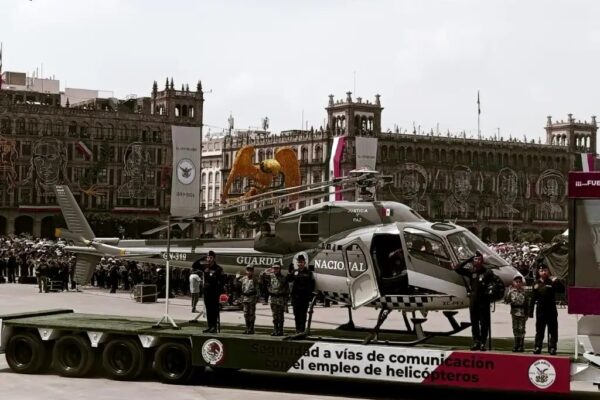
(173, 362)
(73, 356)
(123, 359)
(26, 353)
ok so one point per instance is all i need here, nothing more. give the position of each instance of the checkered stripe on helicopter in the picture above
(390, 301)
(337, 297)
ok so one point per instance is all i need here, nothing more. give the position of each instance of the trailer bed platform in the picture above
(72, 342)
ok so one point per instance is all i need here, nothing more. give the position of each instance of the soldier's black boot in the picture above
(521, 345)
(251, 329)
(475, 346)
(516, 346)
(279, 329)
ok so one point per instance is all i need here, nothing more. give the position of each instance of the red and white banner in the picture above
(463, 369)
(335, 165)
(588, 162)
(83, 150)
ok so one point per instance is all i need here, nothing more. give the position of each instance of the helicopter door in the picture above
(429, 264)
(362, 282)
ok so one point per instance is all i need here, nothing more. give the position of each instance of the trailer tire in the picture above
(73, 356)
(26, 353)
(123, 359)
(173, 362)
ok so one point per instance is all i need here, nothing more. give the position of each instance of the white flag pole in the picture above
(166, 317)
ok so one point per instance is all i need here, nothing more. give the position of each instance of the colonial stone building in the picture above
(495, 187)
(114, 154)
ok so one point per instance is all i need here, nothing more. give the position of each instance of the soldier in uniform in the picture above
(214, 280)
(479, 298)
(517, 298)
(250, 289)
(544, 296)
(303, 285)
(278, 287)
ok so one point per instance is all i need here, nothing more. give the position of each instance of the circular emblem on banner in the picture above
(186, 171)
(213, 351)
(542, 374)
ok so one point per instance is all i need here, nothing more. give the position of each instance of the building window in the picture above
(103, 175)
(151, 177)
(20, 126)
(26, 149)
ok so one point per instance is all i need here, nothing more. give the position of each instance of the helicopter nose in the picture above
(507, 274)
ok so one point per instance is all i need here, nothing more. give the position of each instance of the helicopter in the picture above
(380, 254)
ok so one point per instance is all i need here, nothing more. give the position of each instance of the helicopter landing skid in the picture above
(415, 329)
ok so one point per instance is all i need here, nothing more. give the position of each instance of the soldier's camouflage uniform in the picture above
(249, 298)
(518, 300)
(278, 287)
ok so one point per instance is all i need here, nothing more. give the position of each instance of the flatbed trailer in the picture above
(74, 344)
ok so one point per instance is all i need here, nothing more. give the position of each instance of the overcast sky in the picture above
(427, 59)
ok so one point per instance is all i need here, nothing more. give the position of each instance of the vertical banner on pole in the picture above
(335, 165)
(366, 152)
(185, 187)
(366, 155)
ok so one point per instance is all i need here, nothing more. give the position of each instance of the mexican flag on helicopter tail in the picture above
(335, 165)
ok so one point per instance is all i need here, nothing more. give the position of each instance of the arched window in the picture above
(384, 153)
(20, 128)
(109, 132)
(98, 131)
(32, 127)
(177, 110)
(73, 129)
(191, 111)
(6, 126)
(47, 128)
(59, 128)
(318, 154)
(184, 111)
(304, 154)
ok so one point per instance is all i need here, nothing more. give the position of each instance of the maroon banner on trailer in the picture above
(584, 185)
(584, 300)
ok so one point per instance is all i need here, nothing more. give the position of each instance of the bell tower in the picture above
(181, 106)
(578, 136)
(354, 118)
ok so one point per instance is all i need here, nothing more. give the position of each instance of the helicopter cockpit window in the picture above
(309, 228)
(464, 244)
(426, 247)
(357, 261)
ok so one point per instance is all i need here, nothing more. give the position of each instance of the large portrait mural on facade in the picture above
(507, 190)
(8, 158)
(461, 188)
(136, 164)
(413, 184)
(551, 188)
(48, 166)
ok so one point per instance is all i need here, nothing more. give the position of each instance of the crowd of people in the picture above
(522, 256)
(28, 260)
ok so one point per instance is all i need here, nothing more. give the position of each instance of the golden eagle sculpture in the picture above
(285, 162)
